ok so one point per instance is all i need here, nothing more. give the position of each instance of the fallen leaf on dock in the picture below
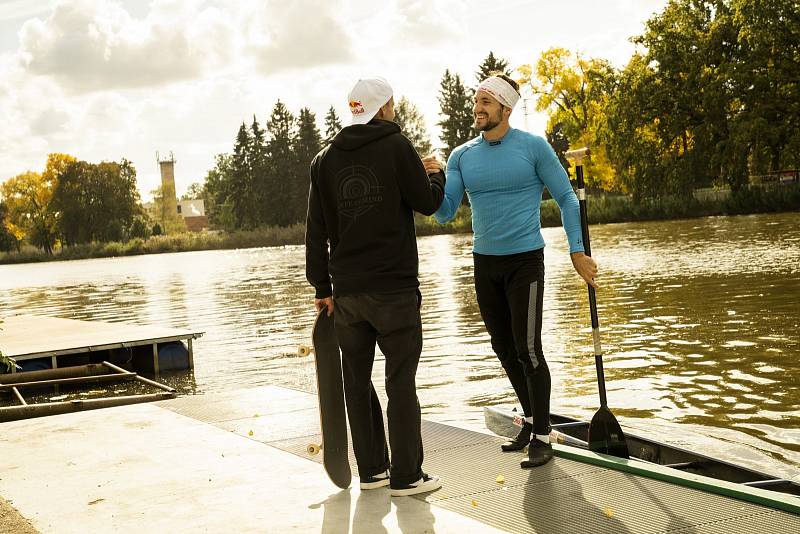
(474, 503)
(608, 511)
(501, 479)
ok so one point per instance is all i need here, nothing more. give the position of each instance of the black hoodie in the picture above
(365, 187)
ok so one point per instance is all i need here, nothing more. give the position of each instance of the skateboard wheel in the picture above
(313, 449)
(304, 350)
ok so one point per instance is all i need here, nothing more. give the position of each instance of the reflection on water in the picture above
(699, 322)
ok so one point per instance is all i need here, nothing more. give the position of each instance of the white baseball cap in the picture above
(366, 97)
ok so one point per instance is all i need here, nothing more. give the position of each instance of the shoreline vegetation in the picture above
(602, 209)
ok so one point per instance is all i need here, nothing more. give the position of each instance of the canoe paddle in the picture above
(605, 434)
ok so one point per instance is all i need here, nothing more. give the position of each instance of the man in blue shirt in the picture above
(503, 172)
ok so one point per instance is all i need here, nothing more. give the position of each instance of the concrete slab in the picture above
(145, 468)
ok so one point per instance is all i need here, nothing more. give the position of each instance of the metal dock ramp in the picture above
(563, 496)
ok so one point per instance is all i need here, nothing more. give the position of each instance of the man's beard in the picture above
(490, 123)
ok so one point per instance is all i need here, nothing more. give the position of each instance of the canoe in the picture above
(574, 433)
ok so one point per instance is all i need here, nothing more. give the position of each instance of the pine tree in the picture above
(332, 126)
(240, 186)
(492, 65)
(455, 101)
(258, 158)
(412, 123)
(279, 127)
(306, 144)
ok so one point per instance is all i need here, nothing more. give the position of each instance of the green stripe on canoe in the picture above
(760, 496)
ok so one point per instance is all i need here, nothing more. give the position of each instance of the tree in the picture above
(194, 191)
(96, 202)
(169, 222)
(574, 91)
(412, 123)
(283, 190)
(240, 187)
(306, 144)
(27, 198)
(8, 240)
(765, 79)
(332, 126)
(258, 158)
(560, 143)
(456, 120)
(217, 185)
(490, 66)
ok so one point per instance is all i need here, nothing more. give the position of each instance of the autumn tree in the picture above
(8, 239)
(27, 198)
(574, 91)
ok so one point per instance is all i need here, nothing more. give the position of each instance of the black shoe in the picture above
(521, 441)
(539, 453)
(376, 481)
(423, 485)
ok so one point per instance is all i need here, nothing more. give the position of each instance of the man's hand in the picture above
(432, 164)
(322, 303)
(585, 266)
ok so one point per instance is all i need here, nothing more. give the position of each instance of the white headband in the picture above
(501, 90)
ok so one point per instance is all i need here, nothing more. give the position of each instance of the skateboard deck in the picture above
(330, 393)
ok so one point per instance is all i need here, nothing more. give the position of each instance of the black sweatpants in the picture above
(391, 320)
(510, 296)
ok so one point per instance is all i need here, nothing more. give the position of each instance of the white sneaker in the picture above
(426, 483)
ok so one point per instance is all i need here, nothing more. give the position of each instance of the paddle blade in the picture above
(605, 434)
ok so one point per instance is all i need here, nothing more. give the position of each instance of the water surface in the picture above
(699, 324)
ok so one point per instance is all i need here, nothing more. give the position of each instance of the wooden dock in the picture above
(28, 337)
(237, 461)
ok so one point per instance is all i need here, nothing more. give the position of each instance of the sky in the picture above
(104, 80)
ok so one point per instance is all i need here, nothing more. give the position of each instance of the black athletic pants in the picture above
(392, 321)
(510, 295)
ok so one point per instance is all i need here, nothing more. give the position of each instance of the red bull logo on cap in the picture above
(356, 107)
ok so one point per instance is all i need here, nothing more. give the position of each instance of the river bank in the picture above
(602, 209)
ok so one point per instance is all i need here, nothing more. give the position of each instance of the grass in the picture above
(601, 209)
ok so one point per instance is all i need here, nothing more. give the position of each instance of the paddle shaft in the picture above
(598, 353)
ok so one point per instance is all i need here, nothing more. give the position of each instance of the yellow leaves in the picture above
(56, 163)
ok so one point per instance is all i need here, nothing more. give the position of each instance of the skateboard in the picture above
(330, 393)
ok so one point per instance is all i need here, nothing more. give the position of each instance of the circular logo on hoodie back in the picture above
(359, 191)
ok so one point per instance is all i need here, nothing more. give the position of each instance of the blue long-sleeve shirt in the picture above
(504, 180)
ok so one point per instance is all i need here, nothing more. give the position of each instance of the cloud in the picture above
(298, 34)
(91, 45)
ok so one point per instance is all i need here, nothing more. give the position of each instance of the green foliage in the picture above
(713, 100)
(332, 126)
(264, 181)
(412, 123)
(455, 101)
(168, 219)
(575, 90)
(96, 202)
(29, 215)
(306, 143)
(8, 240)
(194, 191)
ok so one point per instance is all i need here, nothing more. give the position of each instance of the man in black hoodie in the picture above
(361, 251)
